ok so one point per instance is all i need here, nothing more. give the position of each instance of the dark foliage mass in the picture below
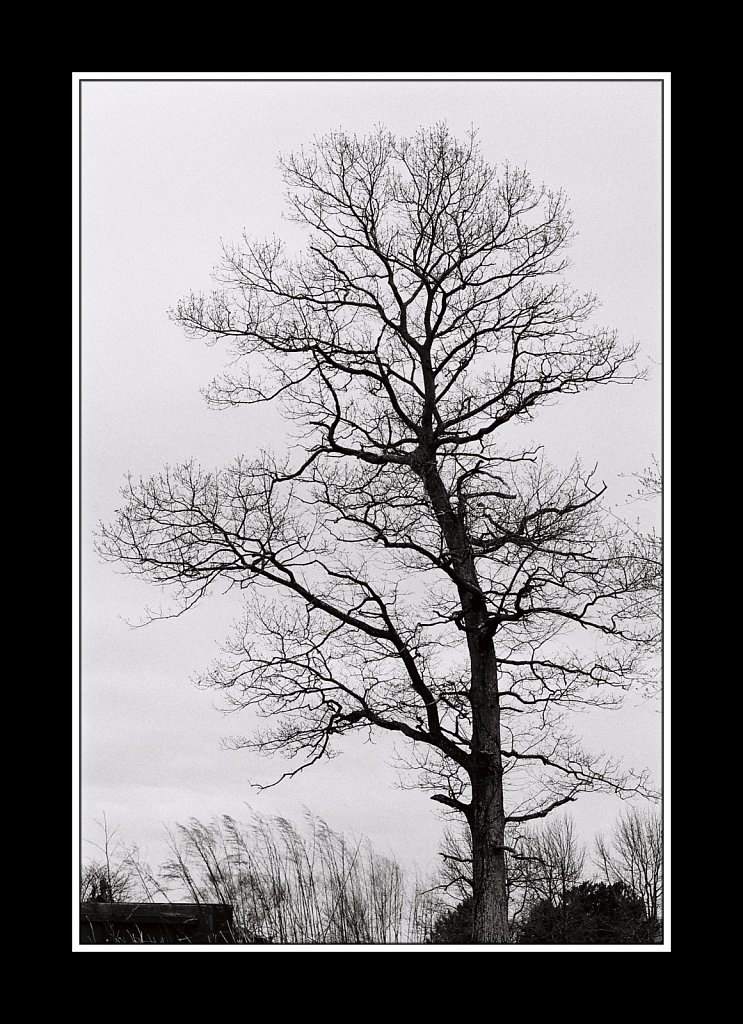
(589, 913)
(592, 912)
(455, 926)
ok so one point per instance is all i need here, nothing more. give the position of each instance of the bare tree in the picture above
(431, 578)
(116, 874)
(559, 855)
(546, 863)
(633, 854)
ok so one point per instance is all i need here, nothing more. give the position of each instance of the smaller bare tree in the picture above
(545, 865)
(556, 856)
(633, 854)
(106, 879)
(117, 874)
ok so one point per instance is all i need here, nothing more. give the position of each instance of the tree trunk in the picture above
(489, 892)
(486, 815)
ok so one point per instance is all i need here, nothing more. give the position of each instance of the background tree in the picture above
(548, 900)
(592, 912)
(633, 855)
(116, 874)
(436, 580)
(545, 863)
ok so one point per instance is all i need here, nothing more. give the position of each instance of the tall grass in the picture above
(292, 885)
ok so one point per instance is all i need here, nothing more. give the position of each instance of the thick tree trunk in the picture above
(489, 892)
(486, 813)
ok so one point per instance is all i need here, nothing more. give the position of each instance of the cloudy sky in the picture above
(168, 168)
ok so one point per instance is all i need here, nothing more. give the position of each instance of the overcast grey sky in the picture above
(167, 169)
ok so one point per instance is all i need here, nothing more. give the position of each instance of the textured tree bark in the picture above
(490, 897)
(487, 815)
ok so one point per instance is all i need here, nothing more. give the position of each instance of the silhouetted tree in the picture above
(436, 582)
(117, 874)
(108, 879)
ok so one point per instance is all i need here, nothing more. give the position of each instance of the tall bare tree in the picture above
(430, 577)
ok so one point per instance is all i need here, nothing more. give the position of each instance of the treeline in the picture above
(563, 892)
(313, 885)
